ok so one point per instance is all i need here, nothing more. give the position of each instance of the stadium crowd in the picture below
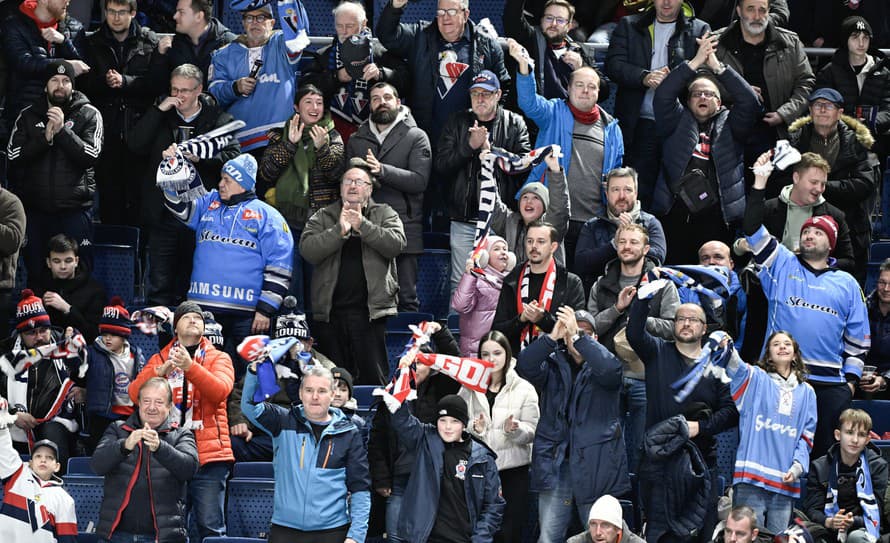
(630, 281)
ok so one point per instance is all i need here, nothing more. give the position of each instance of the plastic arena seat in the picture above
(434, 282)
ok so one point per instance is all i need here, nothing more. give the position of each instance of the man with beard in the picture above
(707, 411)
(805, 293)
(354, 62)
(54, 144)
(400, 159)
(596, 242)
(609, 300)
(39, 33)
(773, 61)
(535, 289)
(43, 375)
(555, 54)
(465, 136)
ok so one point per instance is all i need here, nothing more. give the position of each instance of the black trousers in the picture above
(514, 486)
(283, 534)
(171, 246)
(831, 400)
(353, 341)
(407, 269)
(644, 155)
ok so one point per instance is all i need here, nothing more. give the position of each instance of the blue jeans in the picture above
(555, 508)
(633, 405)
(394, 507)
(462, 234)
(775, 507)
(207, 500)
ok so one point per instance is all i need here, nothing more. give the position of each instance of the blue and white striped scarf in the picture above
(871, 514)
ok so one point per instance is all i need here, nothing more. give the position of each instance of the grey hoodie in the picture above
(794, 219)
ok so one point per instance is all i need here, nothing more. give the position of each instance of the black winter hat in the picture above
(854, 24)
(453, 405)
(186, 307)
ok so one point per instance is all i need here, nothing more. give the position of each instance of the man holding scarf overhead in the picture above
(347, 69)
(535, 289)
(255, 76)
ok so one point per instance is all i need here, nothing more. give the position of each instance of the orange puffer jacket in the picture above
(210, 382)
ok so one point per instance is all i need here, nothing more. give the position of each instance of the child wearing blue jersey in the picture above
(777, 418)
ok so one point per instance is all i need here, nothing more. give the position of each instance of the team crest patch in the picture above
(249, 214)
(450, 71)
(171, 165)
(213, 205)
(460, 470)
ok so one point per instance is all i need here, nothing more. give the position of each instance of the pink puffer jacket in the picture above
(476, 300)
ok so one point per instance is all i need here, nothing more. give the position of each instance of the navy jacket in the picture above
(582, 417)
(182, 51)
(101, 378)
(664, 365)
(28, 55)
(679, 131)
(879, 353)
(421, 499)
(630, 57)
(168, 470)
(419, 44)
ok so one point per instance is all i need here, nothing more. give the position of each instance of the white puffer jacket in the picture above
(518, 398)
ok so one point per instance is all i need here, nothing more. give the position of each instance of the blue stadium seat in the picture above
(148, 344)
(114, 266)
(879, 411)
(80, 465)
(879, 251)
(436, 240)
(363, 396)
(253, 470)
(454, 323)
(395, 344)
(434, 282)
(727, 444)
(87, 492)
(249, 507)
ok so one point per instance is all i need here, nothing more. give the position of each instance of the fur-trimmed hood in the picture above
(863, 135)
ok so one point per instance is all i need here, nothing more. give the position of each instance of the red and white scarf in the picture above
(194, 419)
(545, 299)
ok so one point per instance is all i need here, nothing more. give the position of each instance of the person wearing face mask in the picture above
(300, 170)
(777, 420)
(476, 297)
(505, 417)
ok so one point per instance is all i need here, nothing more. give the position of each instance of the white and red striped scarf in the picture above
(545, 299)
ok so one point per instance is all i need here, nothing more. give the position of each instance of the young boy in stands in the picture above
(845, 488)
(71, 296)
(35, 506)
(343, 399)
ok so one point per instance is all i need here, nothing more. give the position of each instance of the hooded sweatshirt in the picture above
(794, 219)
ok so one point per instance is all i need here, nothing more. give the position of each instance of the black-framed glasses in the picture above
(688, 320)
(703, 94)
(261, 18)
(356, 183)
(550, 19)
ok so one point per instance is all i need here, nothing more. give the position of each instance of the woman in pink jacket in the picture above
(476, 298)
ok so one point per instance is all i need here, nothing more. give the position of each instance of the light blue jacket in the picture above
(321, 484)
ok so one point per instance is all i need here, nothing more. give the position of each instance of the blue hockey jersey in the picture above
(777, 420)
(271, 102)
(824, 310)
(243, 256)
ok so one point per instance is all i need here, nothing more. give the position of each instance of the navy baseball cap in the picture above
(826, 93)
(486, 80)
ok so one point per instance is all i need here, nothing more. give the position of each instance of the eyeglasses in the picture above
(256, 18)
(824, 106)
(688, 320)
(481, 94)
(115, 13)
(883, 284)
(703, 94)
(550, 19)
(451, 12)
(355, 183)
(174, 91)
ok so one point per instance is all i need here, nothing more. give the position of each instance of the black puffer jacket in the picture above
(678, 478)
(456, 161)
(161, 476)
(28, 55)
(851, 184)
(183, 52)
(144, 73)
(839, 76)
(58, 176)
